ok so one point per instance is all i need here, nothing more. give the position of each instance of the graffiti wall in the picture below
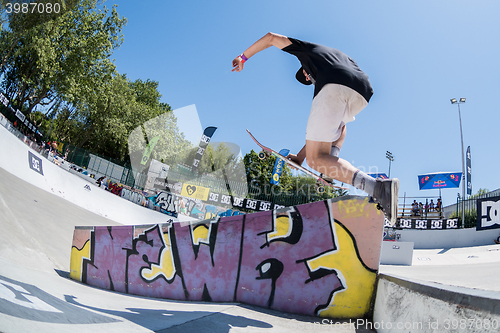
(316, 259)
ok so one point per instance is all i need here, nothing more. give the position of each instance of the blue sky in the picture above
(418, 55)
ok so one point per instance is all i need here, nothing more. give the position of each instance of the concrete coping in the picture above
(475, 299)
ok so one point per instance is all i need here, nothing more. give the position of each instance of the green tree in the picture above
(300, 186)
(105, 121)
(259, 172)
(13, 25)
(62, 59)
(170, 148)
(481, 192)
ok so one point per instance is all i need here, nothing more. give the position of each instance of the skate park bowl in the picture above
(303, 268)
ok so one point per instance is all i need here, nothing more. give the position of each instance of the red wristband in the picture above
(243, 58)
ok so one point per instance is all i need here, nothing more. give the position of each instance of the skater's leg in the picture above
(319, 158)
(384, 192)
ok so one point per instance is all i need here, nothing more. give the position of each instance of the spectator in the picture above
(439, 205)
(414, 208)
(100, 181)
(431, 205)
(182, 207)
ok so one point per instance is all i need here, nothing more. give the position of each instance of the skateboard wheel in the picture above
(320, 189)
(262, 155)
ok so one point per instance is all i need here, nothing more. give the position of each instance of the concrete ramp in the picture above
(409, 305)
(25, 163)
(317, 259)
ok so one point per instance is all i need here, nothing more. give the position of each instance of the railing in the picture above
(244, 190)
(420, 207)
(26, 139)
(405, 209)
(470, 206)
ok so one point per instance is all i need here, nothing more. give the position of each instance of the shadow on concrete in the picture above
(176, 321)
(310, 323)
(201, 320)
(26, 301)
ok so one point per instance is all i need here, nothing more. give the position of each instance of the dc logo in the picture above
(35, 163)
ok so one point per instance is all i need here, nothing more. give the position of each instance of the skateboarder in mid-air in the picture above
(341, 91)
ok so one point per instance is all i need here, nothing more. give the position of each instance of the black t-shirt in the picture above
(328, 65)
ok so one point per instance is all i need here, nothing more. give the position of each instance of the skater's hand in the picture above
(296, 159)
(237, 64)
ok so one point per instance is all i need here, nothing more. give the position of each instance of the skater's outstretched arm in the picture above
(269, 39)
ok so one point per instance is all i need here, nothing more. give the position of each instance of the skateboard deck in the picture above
(318, 178)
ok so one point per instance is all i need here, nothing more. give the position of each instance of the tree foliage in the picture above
(259, 174)
(104, 123)
(57, 70)
(222, 160)
(65, 58)
(170, 144)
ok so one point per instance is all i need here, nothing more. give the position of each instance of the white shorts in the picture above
(333, 107)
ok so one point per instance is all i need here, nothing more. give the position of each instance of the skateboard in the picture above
(321, 182)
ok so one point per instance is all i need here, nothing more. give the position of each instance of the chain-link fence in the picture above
(470, 208)
(115, 170)
(269, 193)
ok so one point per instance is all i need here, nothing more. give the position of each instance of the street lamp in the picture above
(389, 156)
(461, 101)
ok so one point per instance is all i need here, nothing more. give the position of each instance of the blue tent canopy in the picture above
(433, 181)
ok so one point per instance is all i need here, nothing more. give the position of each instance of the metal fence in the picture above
(5, 122)
(115, 170)
(470, 208)
(244, 190)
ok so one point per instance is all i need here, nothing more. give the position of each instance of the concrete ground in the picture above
(470, 267)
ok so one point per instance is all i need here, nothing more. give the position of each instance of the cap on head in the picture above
(301, 77)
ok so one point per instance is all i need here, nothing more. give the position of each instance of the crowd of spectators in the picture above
(48, 149)
(419, 209)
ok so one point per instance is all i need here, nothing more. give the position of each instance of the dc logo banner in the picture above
(35, 163)
(428, 224)
(488, 213)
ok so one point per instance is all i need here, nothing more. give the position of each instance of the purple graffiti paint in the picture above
(106, 269)
(274, 274)
(146, 251)
(211, 270)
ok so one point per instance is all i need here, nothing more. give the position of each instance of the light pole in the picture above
(389, 156)
(461, 101)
